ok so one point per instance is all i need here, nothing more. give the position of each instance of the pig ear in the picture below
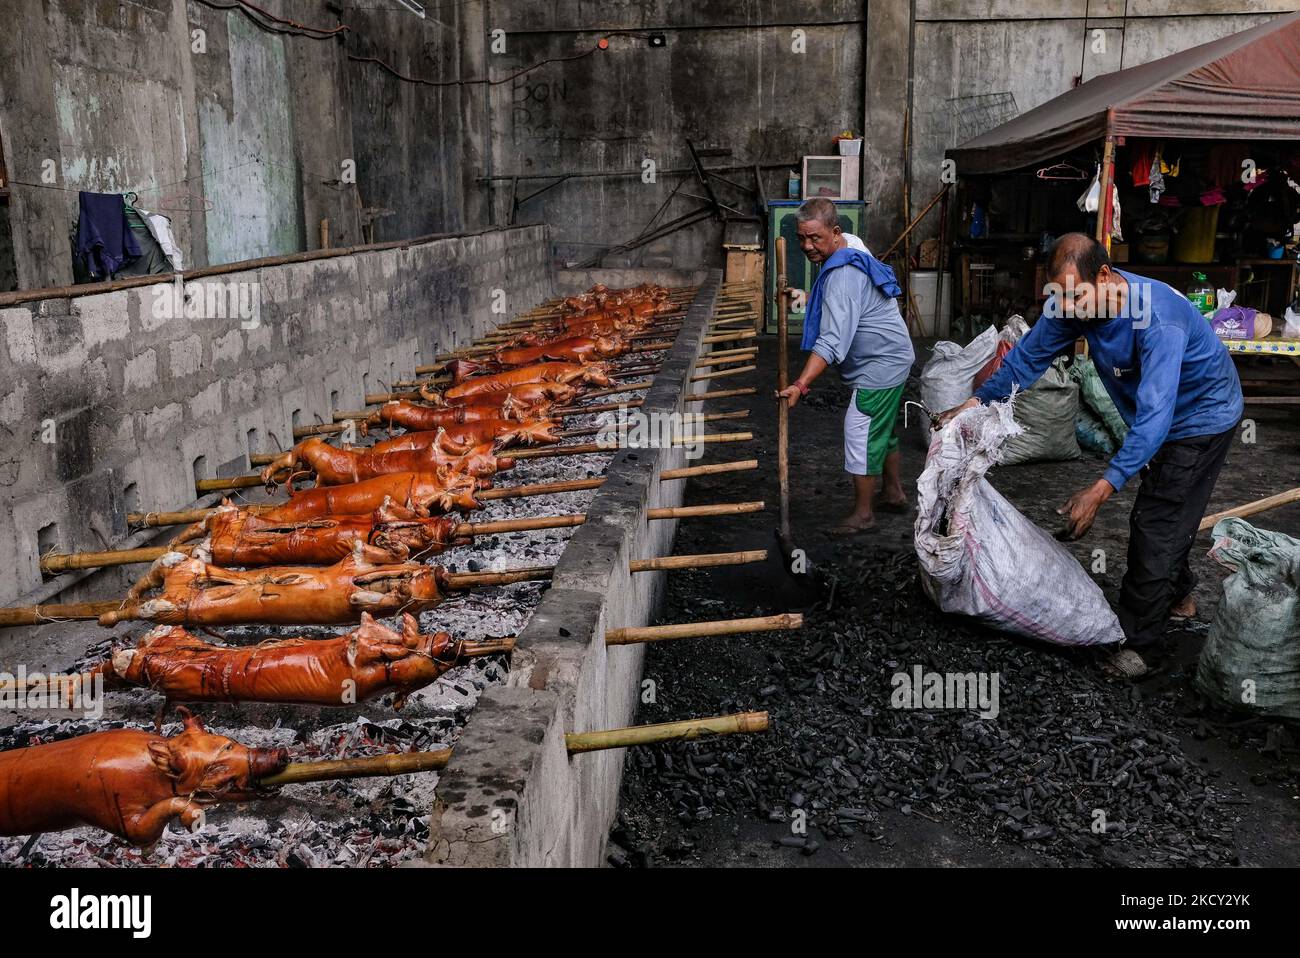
(161, 754)
(410, 630)
(192, 721)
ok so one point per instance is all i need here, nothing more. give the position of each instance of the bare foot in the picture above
(892, 503)
(1185, 609)
(851, 526)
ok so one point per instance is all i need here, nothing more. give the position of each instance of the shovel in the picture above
(795, 560)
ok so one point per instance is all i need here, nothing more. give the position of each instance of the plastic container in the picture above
(1153, 248)
(793, 186)
(1195, 241)
(850, 147)
(1201, 295)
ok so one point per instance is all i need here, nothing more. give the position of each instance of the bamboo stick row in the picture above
(55, 563)
(575, 743)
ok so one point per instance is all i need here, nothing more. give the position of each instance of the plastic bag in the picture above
(1093, 394)
(1292, 329)
(947, 379)
(980, 557)
(1252, 656)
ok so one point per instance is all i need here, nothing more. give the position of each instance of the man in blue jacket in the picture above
(1174, 384)
(852, 322)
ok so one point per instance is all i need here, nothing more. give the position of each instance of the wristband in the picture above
(800, 385)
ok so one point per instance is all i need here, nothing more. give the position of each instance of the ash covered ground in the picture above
(1179, 780)
(354, 823)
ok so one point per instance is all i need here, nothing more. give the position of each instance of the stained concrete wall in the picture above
(246, 138)
(980, 62)
(511, 794)
(107, 401)
(727, 78)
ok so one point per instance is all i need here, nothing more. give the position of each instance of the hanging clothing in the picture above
(1155, 179)
(1142, 152)
(104, 239)
(161, 228)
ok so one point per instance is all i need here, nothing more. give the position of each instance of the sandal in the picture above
(1124, 664)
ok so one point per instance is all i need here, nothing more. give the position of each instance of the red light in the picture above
(604, 43)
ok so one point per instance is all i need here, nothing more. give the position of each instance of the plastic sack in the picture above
(1046, 413)
(980, 557)
(1251, 659)
(1012, 330)
(1292, 328)
(947, 379)
(1092, 392)
(1091, 433)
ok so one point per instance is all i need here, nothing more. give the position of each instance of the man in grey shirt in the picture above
(861, 332)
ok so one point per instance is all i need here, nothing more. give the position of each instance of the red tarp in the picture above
(1241, 87)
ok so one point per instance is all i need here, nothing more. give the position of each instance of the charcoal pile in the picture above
(1075, 767)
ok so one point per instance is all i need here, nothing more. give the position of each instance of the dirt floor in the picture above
(841, 778)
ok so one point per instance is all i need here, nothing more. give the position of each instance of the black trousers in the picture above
(1171, 502)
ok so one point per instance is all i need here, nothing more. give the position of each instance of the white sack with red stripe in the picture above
(980, 557)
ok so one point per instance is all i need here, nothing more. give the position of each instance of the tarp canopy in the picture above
(1241, 87)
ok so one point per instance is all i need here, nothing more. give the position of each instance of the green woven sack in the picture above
(1095, 397)
(1251, 659)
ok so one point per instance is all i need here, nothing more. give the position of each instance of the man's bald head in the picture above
(1080, 251)
(1082, 280)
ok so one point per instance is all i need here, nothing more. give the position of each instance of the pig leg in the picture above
(146, 828)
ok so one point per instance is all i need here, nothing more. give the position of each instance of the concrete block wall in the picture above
(511, 794)
(110, 403)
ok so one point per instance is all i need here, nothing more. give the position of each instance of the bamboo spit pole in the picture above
(1251, 508)
(371, 766)
(587, 448)
(186, 516)
(266, 458)
(721, 394)
(497, 340)
(38, 614)
(595, 393)
(712, 360)
(729, 337)
(685, 730)
(656, 347)
(743, 350)
(693, 630)
(57, 563)
(705, 561)
(704, 377)
(597, 430)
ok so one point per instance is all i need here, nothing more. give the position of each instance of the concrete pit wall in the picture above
(511, 795)
(105, 406)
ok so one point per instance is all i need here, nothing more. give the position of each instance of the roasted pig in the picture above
(194, 592)
(370, 661)
(421, 492)
(236, 537)
(127, 782)
(334, 466)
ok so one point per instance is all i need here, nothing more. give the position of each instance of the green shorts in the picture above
(869, 429)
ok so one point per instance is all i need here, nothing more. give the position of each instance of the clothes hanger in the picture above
(1062, 171)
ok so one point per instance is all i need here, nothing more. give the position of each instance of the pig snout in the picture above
(265, 762)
